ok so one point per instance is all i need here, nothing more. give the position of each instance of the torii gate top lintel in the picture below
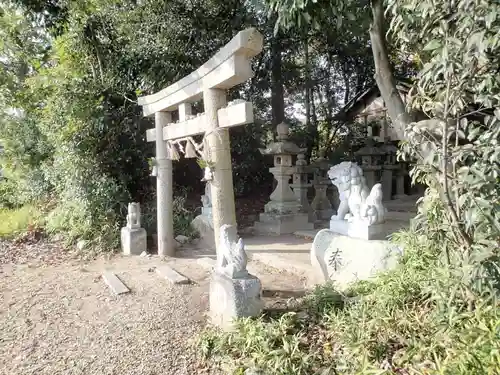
(230, 66)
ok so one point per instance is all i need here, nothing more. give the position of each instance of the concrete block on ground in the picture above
(234, 298)
(134, 241)
(114, 283)
(171, 275)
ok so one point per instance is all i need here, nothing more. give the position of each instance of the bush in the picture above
(416, 319)
(182, 216)
(16, 221)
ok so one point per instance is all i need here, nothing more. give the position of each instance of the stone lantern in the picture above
(301, 183)
(371, 160)
(283, 213)
(321, 206)
(389, 168)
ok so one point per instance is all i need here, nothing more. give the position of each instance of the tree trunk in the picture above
(310, 125)
(383, 71)
(277, 94)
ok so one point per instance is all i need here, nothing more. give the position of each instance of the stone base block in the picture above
(345, 260)
(282, 224)
(358, 230)
(234, 298)
(134, 241)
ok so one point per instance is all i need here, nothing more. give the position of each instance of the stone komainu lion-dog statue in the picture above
(357, 203)
(231, 257)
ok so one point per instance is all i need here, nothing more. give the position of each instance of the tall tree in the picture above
(298, 12)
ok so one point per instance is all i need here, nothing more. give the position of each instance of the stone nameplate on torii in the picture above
(233, 115)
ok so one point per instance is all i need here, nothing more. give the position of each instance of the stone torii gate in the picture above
(227, 68)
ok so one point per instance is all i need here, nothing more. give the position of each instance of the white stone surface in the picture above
(134, 241)
(358, 229)
(114, 283)
(174, 277)
(345, 260)
(231, 257)
(227, 68)
(134, 216)
(230, 299)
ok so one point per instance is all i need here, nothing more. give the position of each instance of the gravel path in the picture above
(57, 316)
(63, 320)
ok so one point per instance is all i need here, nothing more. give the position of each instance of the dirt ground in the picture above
(59, 317)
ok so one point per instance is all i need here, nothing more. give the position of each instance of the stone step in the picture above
(174, 277)
(116, 286)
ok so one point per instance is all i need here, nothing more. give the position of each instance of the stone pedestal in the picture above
(345, 260)
(270, 223)
(234, 298)
(358, 230)
(134, 241)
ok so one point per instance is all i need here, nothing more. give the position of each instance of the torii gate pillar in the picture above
(223, 207)
(164, 189)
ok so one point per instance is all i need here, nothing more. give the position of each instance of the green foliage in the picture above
(77, 135)
(14, 222)
(457, 151)
(416, 319)
(182, 216)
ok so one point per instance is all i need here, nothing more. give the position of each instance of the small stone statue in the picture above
(231, 257)
(357, 204)
(206, 199)
(134, 216)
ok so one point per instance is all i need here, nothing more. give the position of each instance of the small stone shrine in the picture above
(360, 213)
(283, 213)
(133, 237)
(234, 293)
